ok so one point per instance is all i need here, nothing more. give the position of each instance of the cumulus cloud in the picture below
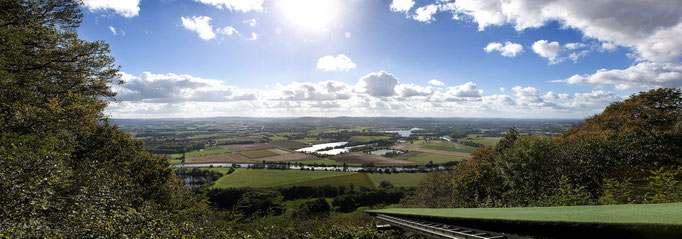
(113, 30)
(436, 82)
(555, 96)
(425, 13)
(650, 28)
(507, 49)
(309, 91)
(335, 63)
(125, 8)
(236, 5)
(378, 84)
(644, 75)
(549, 50)
(376, 94)
(228, 30)
(170, 88)
(201, 25)
(464, 92)
(411, 90)
(401, 5)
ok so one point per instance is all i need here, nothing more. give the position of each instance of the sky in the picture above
(402, 58)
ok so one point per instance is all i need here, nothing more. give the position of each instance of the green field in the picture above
(357, 179)
(306, 140)
(174, 161)
(448, 148)
(665, 213)
(398, 179)
(243, 177)
(254, 154)
(425, 158)
(273, 138)
(203, 152)
(487, 141)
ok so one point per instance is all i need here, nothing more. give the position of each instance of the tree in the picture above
(64, 169)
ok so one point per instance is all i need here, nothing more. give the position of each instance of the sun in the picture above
(310, 14)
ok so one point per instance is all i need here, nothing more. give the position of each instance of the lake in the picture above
(404, 133)
(317, 147)
(384, 151)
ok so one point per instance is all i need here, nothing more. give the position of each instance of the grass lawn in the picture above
(398, 179)
(254, 154)
(424, 158)
(448, 149)
(174, 161)
(357, 179)
(203, 152)
(243, 177)
(665, 213)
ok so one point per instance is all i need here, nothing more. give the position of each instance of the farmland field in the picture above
(360, 158)
(254, 154)
(286, 157)
(243, 177)
(453, 149)
(288, 144)
(357, 179)
(247, 147)
(424, 158)
(220, 158)
(397, 179)
(203, 152)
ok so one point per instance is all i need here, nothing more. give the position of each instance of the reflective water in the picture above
(404, 133)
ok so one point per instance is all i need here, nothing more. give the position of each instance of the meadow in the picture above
(425, 158)
(254, 154)
(243, 177)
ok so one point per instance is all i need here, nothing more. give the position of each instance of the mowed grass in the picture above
(425, 158)
(665, 213)
(357, 179)
(306, 140)
(261, 178)
(487, 141)
(398, 179)
(203, 152)
(448, 149)
(254, 154)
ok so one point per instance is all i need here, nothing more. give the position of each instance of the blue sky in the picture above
(459, 58)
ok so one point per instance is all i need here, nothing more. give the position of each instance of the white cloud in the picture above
(201, 25)
(252, 22)
(170, 88)
(411, 90)
(651, 28)
(338, 63)
(113, 30)
(554, 96)
(254, 36)
(464, 92)
(401, 5)
(236, 5)
(376, 94)
(228, 30)
(436, 82)
(509, 49)
(644, 75)
(574, 45)
(607, 46)
(425, 13)
(125, 8)
(549, 50)
(574, 56)
(378, 84)
(309, 91)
